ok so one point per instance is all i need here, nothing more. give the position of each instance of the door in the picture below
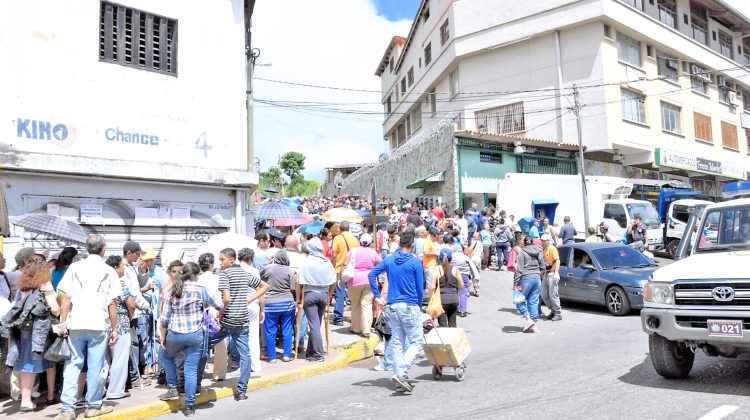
(583, 283)
(565, 280)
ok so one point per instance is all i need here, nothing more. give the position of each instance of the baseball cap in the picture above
(546, 237)
(275, 233)
(365, 239)
(150, 254)
(132, 246)
(445, 253)
(382, 225)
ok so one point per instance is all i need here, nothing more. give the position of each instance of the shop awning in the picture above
(420, 183)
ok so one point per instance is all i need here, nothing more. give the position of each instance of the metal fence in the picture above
(546, 165)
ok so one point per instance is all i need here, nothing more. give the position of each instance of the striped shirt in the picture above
(237, 281)
(184, 314)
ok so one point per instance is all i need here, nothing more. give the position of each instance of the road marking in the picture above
(719, 412)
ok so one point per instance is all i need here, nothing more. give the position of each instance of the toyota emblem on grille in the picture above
(723, 294)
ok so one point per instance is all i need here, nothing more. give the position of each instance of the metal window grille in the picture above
(502, 119)
(668, 13)
(628, 50)
(410, 76)
(725, 45)
(638, 4)
(444, 33)
(428, 54)
(489, 157)
(133, 38)
(546, 165)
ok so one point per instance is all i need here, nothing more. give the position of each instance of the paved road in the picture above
(589, 366)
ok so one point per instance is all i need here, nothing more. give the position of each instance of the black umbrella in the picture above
(271, 190)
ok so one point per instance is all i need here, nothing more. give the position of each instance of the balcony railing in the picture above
(699, 33)
(667, 16)
(725, 49)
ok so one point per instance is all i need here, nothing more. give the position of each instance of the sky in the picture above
(328, 43)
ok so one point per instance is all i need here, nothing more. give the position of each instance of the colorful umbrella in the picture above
(216, 243)
(52, 226)
(273, 210)
(341, 214)
(312, 227)
(292, 221)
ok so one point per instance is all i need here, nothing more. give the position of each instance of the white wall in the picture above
(52, 73)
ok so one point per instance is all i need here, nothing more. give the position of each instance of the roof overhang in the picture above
(420, 183)
(512, 138)
(396, 40)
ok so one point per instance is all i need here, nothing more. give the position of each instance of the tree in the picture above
(301, 187)
(293, 163)
(270, 178)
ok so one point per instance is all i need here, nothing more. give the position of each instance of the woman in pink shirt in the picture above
(365, 258)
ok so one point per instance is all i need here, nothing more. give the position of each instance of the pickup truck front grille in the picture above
(702, 293)
(702, 321)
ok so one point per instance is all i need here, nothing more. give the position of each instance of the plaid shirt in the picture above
(185, 314)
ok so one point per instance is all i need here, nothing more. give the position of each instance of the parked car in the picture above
(608, 274)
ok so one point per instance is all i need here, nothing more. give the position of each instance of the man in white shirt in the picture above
(131, 252)
(89, 312)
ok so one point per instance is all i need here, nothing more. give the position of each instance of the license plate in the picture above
(725, 328)
(651, 247)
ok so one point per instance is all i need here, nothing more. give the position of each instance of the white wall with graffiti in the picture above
(61, 100)
(173, 218)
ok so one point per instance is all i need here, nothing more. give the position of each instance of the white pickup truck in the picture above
(702, 301)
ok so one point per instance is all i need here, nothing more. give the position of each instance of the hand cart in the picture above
(447, 347)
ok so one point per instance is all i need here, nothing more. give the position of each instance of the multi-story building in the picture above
(129, 118)
(662, 84)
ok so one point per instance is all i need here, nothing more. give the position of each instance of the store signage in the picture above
(91, 214)
(62, 134)
(680, 160)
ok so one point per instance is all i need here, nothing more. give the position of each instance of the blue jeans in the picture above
(191, 345)
(303, 327)
(87, 346)
(502, 248)
(281, 312)
(338, 309)
(530, 290)
(407, 339)
(240, 337)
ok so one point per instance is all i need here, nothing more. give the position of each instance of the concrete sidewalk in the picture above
(143, 403)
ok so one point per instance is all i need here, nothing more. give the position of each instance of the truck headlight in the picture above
(658, 293)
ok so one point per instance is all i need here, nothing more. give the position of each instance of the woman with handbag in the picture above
(183, 330)
(446, 281)
(30, 331)
(365, 258)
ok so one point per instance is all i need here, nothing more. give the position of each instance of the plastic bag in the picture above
(58, 351)
(518, 297)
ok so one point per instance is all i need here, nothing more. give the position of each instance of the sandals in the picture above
(529, 327)
(26, 409)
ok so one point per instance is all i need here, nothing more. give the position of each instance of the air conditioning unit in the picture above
(701, 73)
(671, 64)
(721, 81)
(732, 96)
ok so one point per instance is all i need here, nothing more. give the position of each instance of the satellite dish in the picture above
(383, 157)
(338, 180)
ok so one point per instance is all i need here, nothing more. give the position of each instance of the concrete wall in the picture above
(432, 153)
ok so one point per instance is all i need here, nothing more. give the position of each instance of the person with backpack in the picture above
(503, 235)
(528, 281)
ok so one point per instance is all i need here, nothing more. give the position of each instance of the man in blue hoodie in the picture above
(403, 310)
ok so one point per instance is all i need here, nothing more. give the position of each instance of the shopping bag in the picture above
(518, 297)
(381, 326)
(350, 270)
(58, 351)
(435, 306)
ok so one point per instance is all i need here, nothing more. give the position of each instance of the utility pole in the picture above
(581, 163)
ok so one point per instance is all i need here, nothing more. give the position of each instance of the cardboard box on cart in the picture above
(446, 346)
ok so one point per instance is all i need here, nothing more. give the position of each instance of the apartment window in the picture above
(426, 14)
(410, 76)
(633, 106)
(416, 119)
(747, 139)
(403, 85)
(607, 32)
(668, 13)
(702, 125)
(638, 4)
(444, 33)
(725, 45)
(453, 81)
(746, 100)
(502, 119)
(390, 64)
(628, 50)
(649, 51)
(667, 66)
(745, 52)
(388, 106)
(401, 133)
(699, 24)
(699, 79)
(133, 38)
(490, 157)
(670, 118)
(428, 54)
(729, 136)
(724, 90)
(433, 102)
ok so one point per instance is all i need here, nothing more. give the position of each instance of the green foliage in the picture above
(293, 163)
(301, 187)
(270, 178)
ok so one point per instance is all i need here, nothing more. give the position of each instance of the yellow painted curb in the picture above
(359, 350)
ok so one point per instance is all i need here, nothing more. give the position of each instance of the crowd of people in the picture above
(127, 321)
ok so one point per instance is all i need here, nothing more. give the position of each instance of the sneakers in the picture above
(189, 411)
(66, 415)
(170, 395)
(96, 412)
(241, 396)
(403, 383)
(556, 317)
